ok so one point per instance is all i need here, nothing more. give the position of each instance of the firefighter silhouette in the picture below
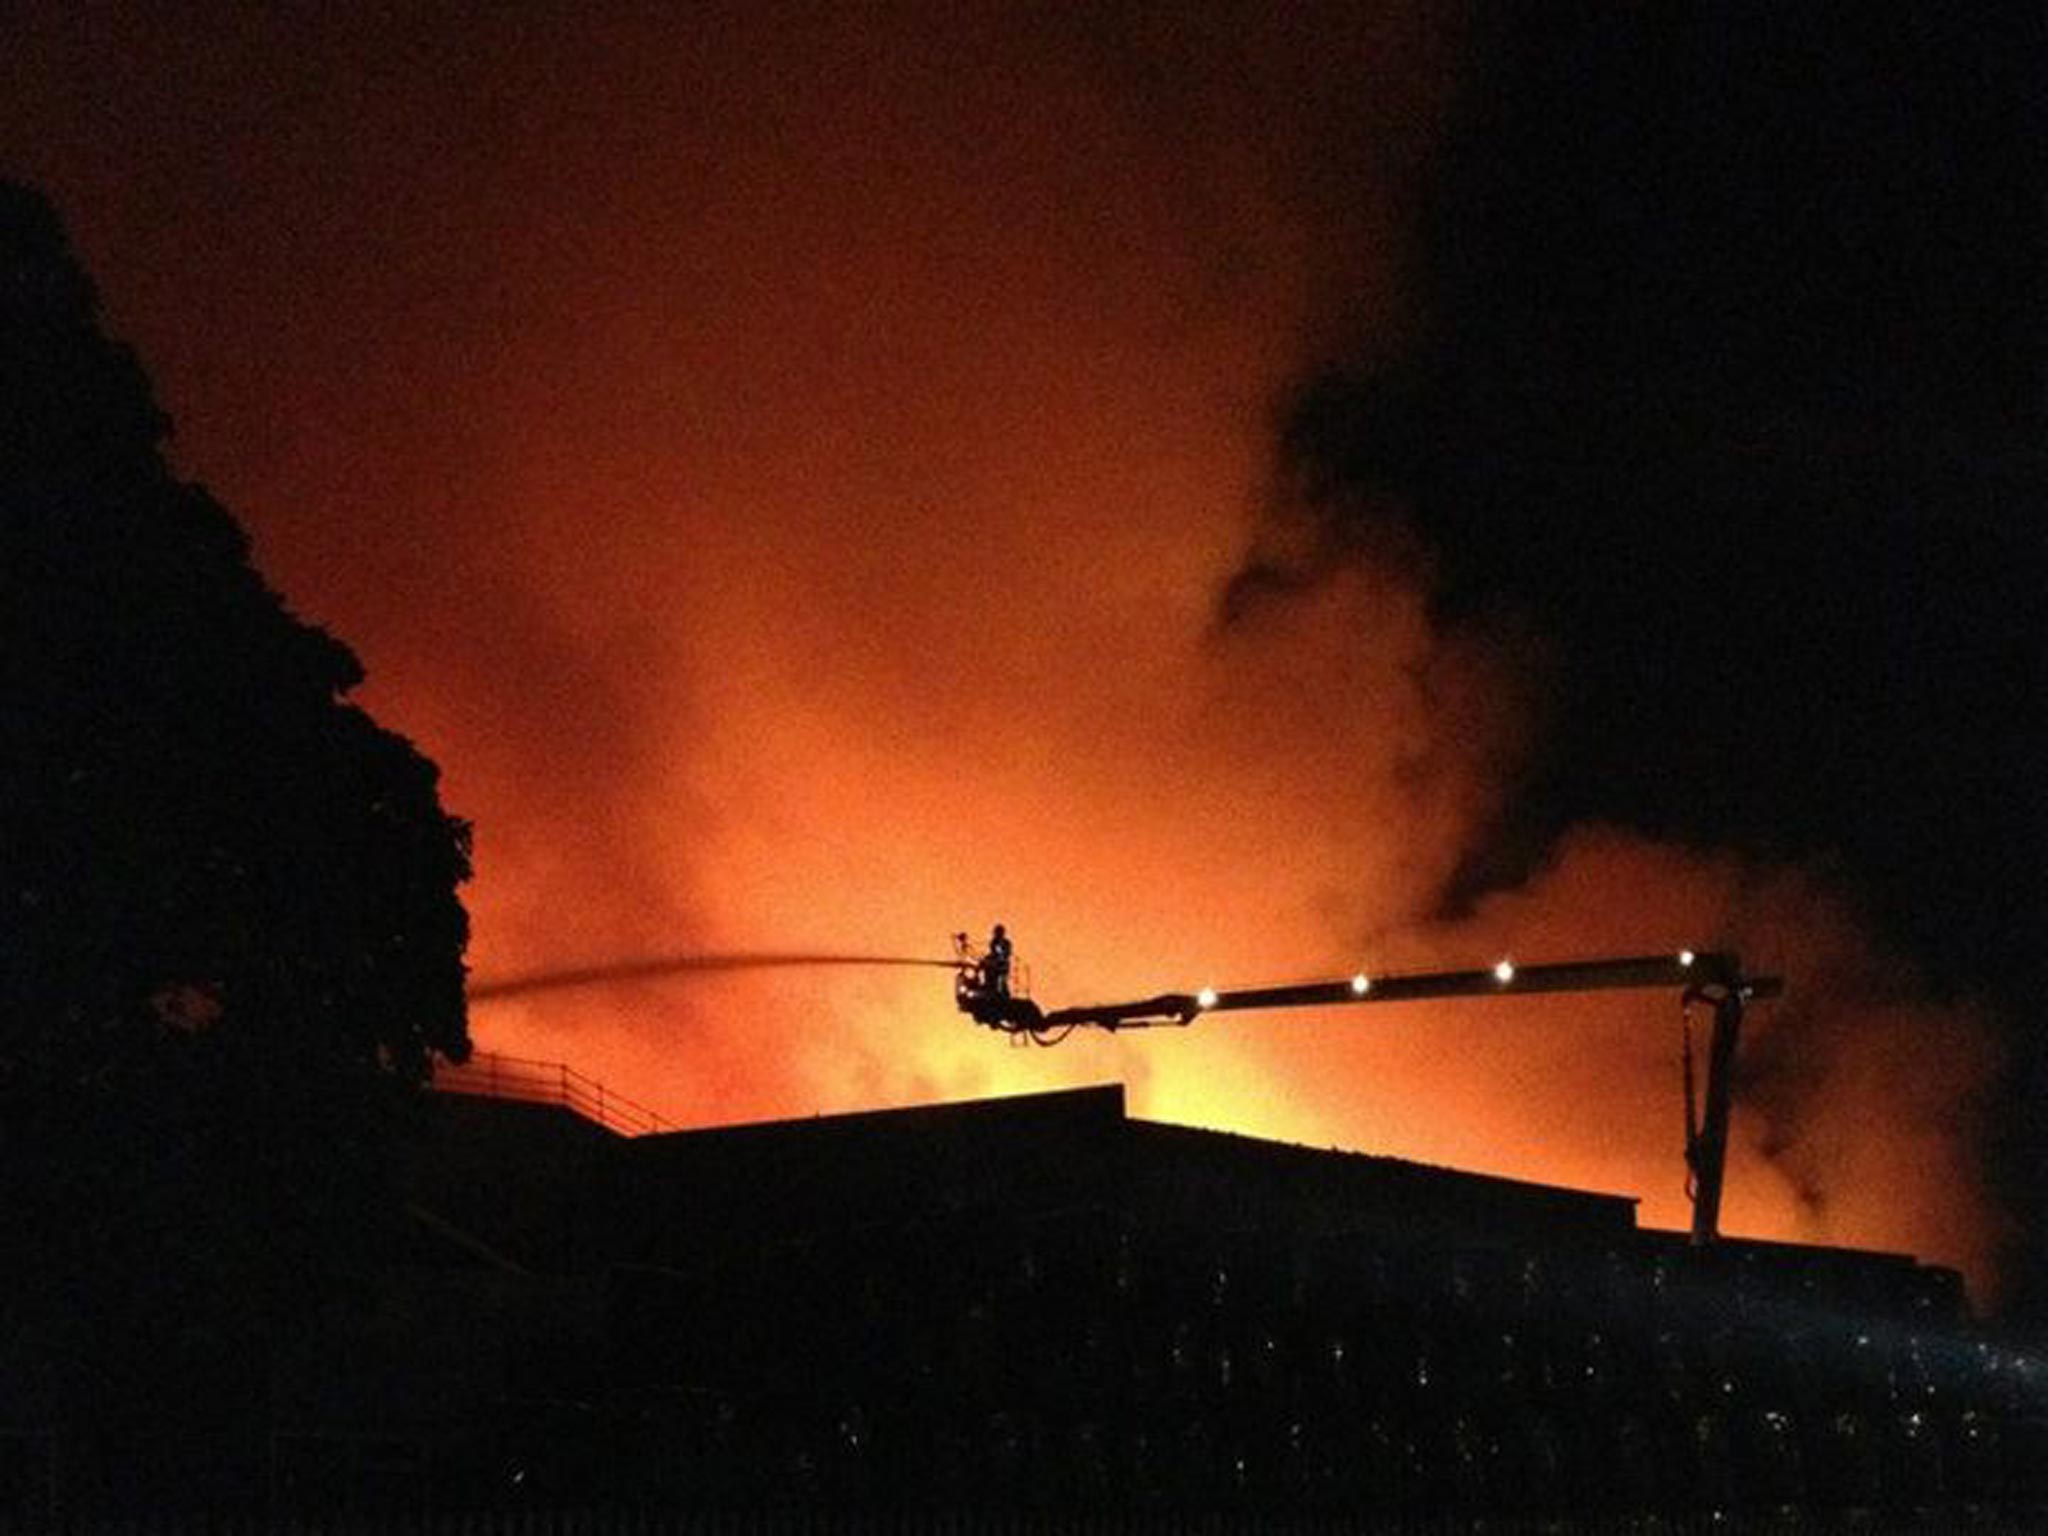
(995, 965)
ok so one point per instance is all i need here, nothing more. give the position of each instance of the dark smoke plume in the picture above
(1731, 390)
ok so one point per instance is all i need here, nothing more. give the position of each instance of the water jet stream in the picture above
(656, 967)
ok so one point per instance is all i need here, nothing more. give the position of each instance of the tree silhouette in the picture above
(229, 931)
(200, 835)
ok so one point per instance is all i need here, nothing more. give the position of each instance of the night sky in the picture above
(1236, 494)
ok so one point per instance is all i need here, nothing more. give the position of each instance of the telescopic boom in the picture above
(1712, 978)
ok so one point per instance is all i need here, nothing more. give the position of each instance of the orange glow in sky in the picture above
(785, 471)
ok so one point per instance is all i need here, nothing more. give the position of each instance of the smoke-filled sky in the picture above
(795, 468)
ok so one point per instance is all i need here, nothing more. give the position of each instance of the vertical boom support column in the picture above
(1706, 1150)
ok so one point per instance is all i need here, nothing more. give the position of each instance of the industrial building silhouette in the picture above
(1041, 1306)
(1040, 1303)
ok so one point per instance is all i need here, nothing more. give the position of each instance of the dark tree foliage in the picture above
(1734, 387)
(230, 939)
(201, 836)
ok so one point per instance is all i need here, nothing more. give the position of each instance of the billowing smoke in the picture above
(796, 472)
(1725, 388)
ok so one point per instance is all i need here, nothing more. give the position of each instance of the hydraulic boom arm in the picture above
(1688, 971)
(1714, 979)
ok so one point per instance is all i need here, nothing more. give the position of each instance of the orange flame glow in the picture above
(786, 475)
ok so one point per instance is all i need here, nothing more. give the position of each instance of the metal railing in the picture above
(490, 1075)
